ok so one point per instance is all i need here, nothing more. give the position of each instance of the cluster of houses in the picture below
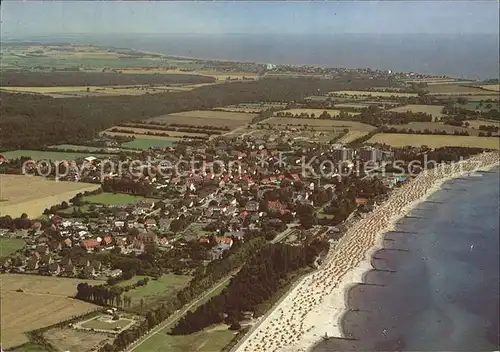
(230, 200)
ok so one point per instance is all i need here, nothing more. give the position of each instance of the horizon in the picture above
(259, 18)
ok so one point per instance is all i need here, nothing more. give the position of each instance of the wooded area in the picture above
(258, 280)
(31, 121)
(68, 79)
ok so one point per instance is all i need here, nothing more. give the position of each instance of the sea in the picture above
(470, 56)
(435, 286)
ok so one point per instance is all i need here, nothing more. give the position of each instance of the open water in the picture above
(436, 283)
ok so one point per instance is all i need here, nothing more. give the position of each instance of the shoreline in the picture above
(317, 304)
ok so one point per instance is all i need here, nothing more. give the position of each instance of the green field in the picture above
(164, 286)
(213, 341)
(10, 245)
(47, 155)
(113, 198)
(148, 143)
(202, 341)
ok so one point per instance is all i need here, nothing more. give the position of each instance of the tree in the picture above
(236, 325)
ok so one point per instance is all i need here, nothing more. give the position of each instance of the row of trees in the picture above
(161, 134)
(108, 295)
(185, 129)
(258, 280)
(425, 131)
(158, 123)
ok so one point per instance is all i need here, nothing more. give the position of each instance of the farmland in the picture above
(434, 141)
(88, 57)
(455, 89)
(253, 107)
(218, 75)
(10, 245)
(31, 194)
(44, 301)
(113, 199)
(221, 119)
(47, 155)
(479, 122)
(143, 136)
(434, 110)
(74, 340)
(371, 93)
(351, 106)
(141, 143)
(83, 91)
(202, 341)
(144, 131)
(492, 87)
(318, 124)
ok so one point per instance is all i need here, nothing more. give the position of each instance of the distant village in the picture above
(214, 207)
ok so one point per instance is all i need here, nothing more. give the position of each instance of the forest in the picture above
(258, 280)
(32, 121)
(68, 79)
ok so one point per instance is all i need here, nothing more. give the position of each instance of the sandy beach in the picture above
(314, 307)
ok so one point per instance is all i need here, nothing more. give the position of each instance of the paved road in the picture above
(184, 310)
(177, 315)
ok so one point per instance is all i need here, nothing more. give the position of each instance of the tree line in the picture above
(457, 132)
(259, 279)
(68, 79)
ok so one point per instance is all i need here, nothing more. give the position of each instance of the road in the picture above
(176, 316)
(185, 309)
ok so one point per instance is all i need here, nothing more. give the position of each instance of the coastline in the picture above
(316, 305)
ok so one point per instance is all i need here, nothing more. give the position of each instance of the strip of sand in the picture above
(316, 304)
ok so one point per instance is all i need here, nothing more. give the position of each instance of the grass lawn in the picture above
(202, 341)
(84, 208)
(47, 155)
(148, 143)
(10, 245)
(164, 286)
(113, 199)
(132, 280)
(104, 325)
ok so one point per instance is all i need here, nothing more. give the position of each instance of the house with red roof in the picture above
(277, 207)
(89, 244)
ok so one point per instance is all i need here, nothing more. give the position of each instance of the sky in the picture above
(27, 18)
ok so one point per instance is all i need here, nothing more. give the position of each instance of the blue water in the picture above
(473, 56)
(435, 293)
